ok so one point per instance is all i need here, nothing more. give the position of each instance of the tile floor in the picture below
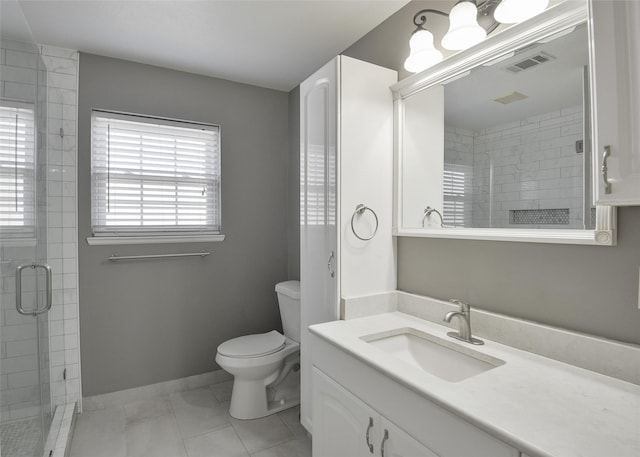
(194, 423)
(21, 438)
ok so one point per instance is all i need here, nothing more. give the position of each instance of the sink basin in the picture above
(447, 360)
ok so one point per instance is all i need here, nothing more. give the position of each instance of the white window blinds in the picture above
(154, 176)
(17, 170)
(458, 195)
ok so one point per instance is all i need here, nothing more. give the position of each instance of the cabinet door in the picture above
(343, 425)
(318, 212)
(397, 443)
(616, 101)
(366, 177)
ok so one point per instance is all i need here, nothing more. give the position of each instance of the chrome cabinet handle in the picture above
(48, 301)
(384, 440)
(369, 445)
(605, 170)
(332, 273)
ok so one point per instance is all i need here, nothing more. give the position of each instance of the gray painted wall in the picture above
(150, 321)
(590, 289)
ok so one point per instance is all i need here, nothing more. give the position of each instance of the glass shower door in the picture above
(26, 280)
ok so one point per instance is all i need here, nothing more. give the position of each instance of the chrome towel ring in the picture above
(427, 212)
(360, 209)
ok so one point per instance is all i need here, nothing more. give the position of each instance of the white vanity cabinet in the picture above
(615, 29)
(397, 443)
(349, 395)
(342, 423)
(345, 426)
(346, 159)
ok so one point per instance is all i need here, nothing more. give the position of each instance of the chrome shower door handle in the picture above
(605, 170)
(19, 290)
(48, 291)
(332, 273)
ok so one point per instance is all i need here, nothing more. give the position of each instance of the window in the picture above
(153, 176)
(318, 189)
(457, 195)
(17, 170)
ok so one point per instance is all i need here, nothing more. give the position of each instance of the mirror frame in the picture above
(551, 21)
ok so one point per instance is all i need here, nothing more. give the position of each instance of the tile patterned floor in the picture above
(21, 438)
(194, 423)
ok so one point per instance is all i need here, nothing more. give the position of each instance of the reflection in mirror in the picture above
(515, 150)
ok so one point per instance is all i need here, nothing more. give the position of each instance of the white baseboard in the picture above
(122, 397)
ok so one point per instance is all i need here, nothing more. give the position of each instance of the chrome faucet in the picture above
(464, 323)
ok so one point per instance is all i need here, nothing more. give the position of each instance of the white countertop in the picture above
(536, 404)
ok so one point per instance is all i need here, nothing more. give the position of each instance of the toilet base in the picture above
(252, 400)
(272, 408)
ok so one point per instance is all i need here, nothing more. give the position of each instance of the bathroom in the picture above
(130, 358)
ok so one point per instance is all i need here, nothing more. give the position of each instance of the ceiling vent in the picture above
(530, 62)
(511, 98)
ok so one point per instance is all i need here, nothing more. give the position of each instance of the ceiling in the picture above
(273, 44)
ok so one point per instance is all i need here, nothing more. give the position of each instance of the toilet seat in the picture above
(250, 346)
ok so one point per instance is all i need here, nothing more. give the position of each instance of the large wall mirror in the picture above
(495, 143)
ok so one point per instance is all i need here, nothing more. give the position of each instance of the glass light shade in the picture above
(464, 30)
(423, 53)
(513, 11)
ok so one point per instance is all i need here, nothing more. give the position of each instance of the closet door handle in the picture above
(332, 273)
(384, 441)
(369, 445)
(605, 170)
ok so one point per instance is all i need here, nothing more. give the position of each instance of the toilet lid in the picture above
(253, 345)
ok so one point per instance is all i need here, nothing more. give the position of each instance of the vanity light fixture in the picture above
(464, 30)
(423, 53)
(470, 21)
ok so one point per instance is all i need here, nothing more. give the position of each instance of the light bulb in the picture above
(513, 11)
(423, 53)
(464, 30)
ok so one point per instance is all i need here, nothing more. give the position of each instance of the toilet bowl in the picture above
(265, 366)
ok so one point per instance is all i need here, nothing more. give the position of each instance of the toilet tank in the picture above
(289, 302)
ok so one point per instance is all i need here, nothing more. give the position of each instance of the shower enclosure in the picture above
(26, 281)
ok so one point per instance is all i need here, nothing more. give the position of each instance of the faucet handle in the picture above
(464, 307)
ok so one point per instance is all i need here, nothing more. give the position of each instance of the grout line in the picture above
(240, 439)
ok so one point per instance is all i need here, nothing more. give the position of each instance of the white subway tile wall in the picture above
(530, 164)
(62, 80)
(18, 342)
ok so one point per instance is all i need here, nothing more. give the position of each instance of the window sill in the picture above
(115, 240)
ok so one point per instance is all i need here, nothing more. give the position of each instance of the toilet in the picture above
(266, 366)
